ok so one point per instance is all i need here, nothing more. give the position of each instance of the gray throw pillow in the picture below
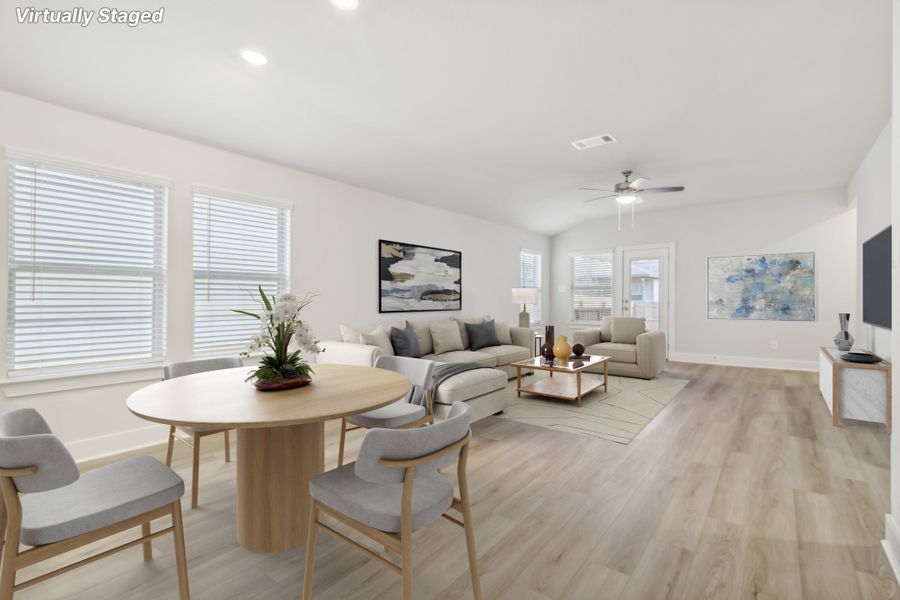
(405, 342)
(482, 335)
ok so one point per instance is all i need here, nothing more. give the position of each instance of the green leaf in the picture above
(244, 312)
(265, 300)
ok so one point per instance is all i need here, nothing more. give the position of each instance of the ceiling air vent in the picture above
(593, 142)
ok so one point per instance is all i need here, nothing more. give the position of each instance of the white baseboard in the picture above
(891, 544)
(121, 442)
(745, 361)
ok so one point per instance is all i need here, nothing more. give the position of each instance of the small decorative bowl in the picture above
(287, 383)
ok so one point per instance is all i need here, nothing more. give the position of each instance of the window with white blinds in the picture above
(86, 269)
(591, 286)
(530, 277)
(238, 246)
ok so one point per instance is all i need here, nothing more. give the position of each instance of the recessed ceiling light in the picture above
(346, 5)
(254, 57)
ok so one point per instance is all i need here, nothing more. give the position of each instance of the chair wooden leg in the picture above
(227, 447)
(341, 445)
(195, 477)
(148, 545)
(469, 526)
(171, 447)
(8, 562)
(312, 530)
(180, 554)
(406, 560)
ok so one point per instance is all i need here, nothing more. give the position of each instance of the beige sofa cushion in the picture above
(507, 353)
(460, 356)
(350, 335)
(423, 334)
(378, 337)
(606, 329)
(446, 338)
(626, 329)
(502, 331)
(470, 384)
(622, 353)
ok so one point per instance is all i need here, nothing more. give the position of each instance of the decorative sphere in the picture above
(577, 349)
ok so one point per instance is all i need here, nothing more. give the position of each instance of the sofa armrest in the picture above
(651, 353)
(586, 337)
(522, 336)
(344, 353)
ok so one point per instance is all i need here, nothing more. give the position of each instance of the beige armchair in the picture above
(635, 353)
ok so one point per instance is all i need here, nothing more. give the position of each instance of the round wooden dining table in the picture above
(281, 435)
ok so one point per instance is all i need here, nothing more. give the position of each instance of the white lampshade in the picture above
(525, 295)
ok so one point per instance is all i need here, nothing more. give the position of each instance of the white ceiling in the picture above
(471, 105)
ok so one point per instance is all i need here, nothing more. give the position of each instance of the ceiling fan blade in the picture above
(597, 189)
(637, 183)
(601, 198)
(661, 190)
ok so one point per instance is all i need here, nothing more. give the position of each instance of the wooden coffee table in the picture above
(563, 388)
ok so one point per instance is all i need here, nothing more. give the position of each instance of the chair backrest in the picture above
(419, 371)
(406, 444)
(189, 367)
(26, 440)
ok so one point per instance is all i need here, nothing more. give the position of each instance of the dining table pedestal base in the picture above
(274, 466)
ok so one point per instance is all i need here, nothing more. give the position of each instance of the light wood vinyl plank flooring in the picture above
(739, 488)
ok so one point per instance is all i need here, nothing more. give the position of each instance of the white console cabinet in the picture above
(854, 390)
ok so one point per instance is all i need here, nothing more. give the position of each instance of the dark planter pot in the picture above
(288, 383)
(549, 337)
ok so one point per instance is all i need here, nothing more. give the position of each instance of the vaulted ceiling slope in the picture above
(471, 105)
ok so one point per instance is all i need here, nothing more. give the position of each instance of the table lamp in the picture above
(525, 296)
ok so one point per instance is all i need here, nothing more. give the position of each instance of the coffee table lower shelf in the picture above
(562, 387)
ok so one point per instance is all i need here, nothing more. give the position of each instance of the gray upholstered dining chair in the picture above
(180, 369)
(393, 489)
(413, 410)
(61, 510)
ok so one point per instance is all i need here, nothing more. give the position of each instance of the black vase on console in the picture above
(547, 348)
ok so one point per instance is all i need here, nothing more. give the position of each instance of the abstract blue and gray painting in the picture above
(766, 287)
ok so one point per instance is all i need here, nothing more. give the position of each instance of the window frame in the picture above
(539, 275)
(283, 252)
(158, 272)
(609, 254)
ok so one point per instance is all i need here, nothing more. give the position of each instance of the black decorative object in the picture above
(577, 349)
(414, 278)
(861, 357)
(547, 348)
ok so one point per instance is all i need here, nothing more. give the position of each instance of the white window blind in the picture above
(238, 246)
(591, 286)
(86, 269)
(530, 277)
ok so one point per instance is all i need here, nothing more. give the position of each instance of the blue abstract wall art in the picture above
(765, 287)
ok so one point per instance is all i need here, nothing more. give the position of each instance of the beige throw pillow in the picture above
(626, 329)
(503, 335)
(446, 338)
(379, 337)
(350, 335)
(606, 329)
(423, 334)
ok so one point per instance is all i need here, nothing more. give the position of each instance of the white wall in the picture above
(869, 191)
(335, 228)
(820, 222)
(892, 526)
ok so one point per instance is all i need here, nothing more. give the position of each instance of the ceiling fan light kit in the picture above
(628, 192)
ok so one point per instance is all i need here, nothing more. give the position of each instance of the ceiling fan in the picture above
(628, 192)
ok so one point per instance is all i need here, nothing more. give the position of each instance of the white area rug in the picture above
(617, 415)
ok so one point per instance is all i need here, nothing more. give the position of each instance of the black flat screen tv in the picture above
(877, 280)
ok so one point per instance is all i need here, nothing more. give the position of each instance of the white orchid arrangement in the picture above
(283, 336)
